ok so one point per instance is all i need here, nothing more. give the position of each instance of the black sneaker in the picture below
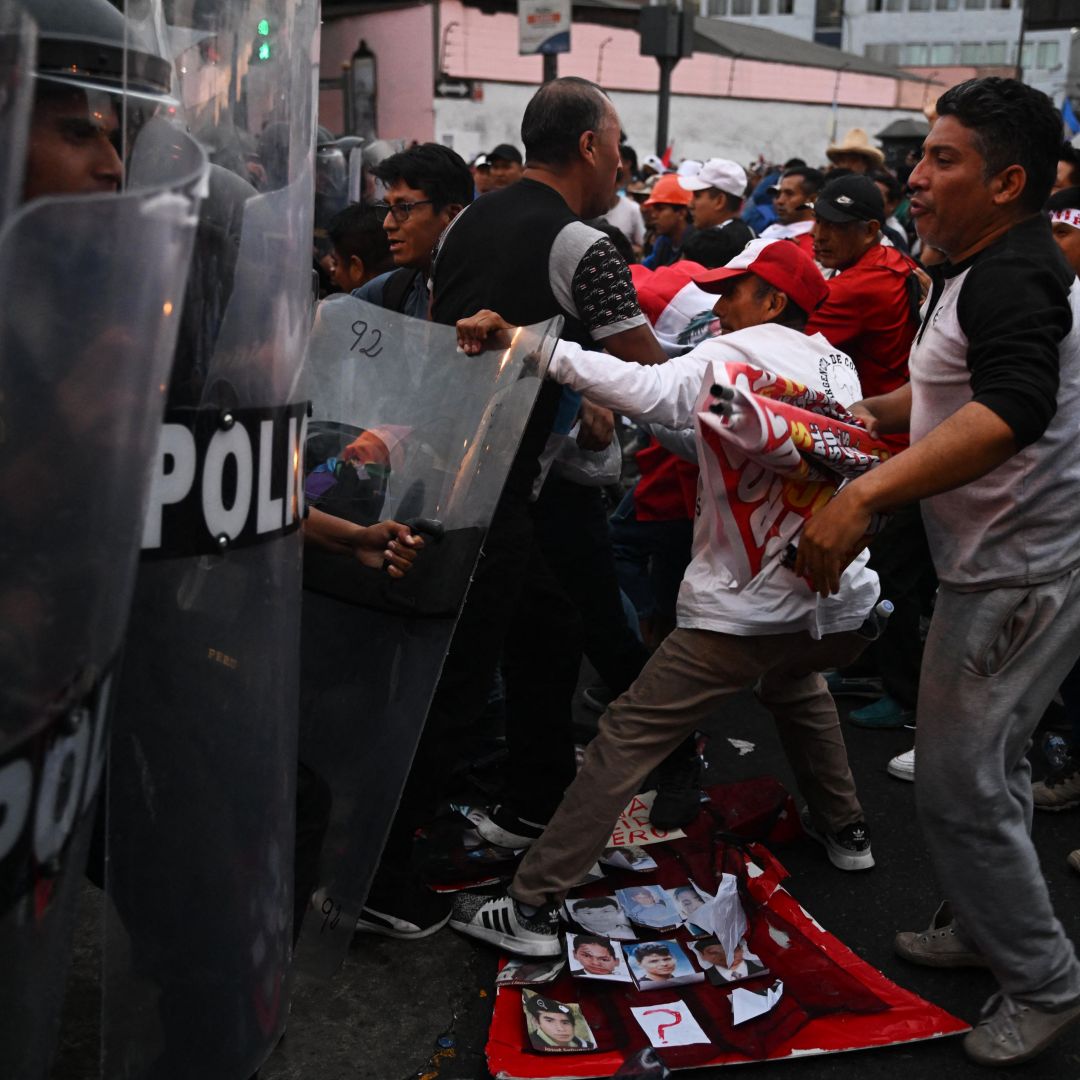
(499, 920)
(848, 849)
(403, 908)
(503, 828)
(678, 788)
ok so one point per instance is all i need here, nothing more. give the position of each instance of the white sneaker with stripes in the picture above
(499, 920)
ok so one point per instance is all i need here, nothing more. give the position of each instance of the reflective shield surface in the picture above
(92, 281)
(404, 426)
(202, 772)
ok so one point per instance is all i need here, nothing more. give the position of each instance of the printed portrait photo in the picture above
(601, 915)
(555, 1026)
(649, 906)
(656, 965)
(595, 957)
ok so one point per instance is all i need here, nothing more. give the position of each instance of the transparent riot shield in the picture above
(92, 287)
(202, 768)
(18, 46)
(404, 426)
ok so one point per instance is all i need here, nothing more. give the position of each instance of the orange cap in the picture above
(668, 191)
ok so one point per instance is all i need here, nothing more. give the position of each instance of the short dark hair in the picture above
(1065, 199)
(889, 182)
(652, 949)
(793, 316)
(709, 248)
(1012, 124)
(629, 154)
(595, 902)
(812, 180)
(794, 163)
(593, 939)
(358, 230)
(432, 168)
(559, 113)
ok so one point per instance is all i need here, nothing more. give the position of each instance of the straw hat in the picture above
(856, 141)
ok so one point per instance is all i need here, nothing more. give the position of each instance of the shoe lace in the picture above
(1000, 1016)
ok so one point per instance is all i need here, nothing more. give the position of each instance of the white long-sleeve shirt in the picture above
(775, 601)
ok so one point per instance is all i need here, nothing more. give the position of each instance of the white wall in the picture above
(701, 126)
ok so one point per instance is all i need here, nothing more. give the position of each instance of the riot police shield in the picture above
(93, 260)
(202, 769)
(404, 426)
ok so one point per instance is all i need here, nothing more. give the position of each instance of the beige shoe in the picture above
(1010, 1032)
(1060, 792)
(938, 945)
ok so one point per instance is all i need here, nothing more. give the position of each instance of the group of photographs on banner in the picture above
(654, 940)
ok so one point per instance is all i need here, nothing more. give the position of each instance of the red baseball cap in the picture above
(782, 263)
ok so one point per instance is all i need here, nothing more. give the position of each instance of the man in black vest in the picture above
(525, 252)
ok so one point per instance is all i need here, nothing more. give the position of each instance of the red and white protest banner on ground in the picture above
(775, 453)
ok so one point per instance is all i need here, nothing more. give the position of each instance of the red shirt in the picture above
(868, 313)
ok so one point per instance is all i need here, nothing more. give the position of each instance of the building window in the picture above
(1048, 54)
(875, 5)
(715, 7)
(918, 5)
(996, 52)
(764, 7)
(943, 53)
(971, 53)
(894, 5)
(741, 7)
(975, 5)
(785, 7)
(915, 54)
(947, 5)
(1000, 4)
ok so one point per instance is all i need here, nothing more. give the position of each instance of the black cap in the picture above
(1066, 199)
(505, 152)
(851, 198)
(537, 1005)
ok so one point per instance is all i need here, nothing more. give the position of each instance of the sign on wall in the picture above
(543, 26)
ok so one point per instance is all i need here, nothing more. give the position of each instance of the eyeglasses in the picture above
(400, 210)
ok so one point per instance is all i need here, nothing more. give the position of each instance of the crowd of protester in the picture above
(834, 274)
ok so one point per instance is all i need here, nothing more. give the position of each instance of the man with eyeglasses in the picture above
(427, 186)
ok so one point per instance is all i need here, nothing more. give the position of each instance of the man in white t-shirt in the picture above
(767, 630)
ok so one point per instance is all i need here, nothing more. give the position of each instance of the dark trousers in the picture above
(901, 557)
(516, 611)
(650, 559)
(573, 534)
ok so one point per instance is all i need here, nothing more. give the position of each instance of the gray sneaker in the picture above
(938, 945)
(1010, 1032)
(499, 921)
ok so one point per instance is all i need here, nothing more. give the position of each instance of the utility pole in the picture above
(668, 34)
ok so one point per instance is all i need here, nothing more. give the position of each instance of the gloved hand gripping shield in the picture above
(97, 220)
(407, 427)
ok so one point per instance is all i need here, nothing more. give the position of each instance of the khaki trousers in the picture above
(683, 685)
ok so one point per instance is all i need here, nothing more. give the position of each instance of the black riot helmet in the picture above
(89, 44)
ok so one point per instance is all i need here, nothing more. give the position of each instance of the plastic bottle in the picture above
(1056, 751)
(874, 624)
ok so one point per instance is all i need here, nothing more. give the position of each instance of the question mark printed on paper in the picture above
(661, 1028)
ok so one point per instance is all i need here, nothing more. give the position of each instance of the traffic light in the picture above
(262, 40)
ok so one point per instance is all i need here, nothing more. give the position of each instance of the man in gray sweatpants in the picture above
(994, 414)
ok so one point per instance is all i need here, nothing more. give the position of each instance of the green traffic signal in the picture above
(263, 28)
(264, 51)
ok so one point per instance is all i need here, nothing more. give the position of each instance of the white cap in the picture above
(689, 167)
(718, 173)
(654, 163)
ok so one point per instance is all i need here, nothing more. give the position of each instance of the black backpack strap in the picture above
(397, 288)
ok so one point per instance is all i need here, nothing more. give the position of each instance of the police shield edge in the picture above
(404, 426)
(202, 770)
(94, 251)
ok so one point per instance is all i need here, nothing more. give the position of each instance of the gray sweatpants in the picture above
(993, 661)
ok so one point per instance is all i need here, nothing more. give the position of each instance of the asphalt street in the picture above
(420, 1010)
